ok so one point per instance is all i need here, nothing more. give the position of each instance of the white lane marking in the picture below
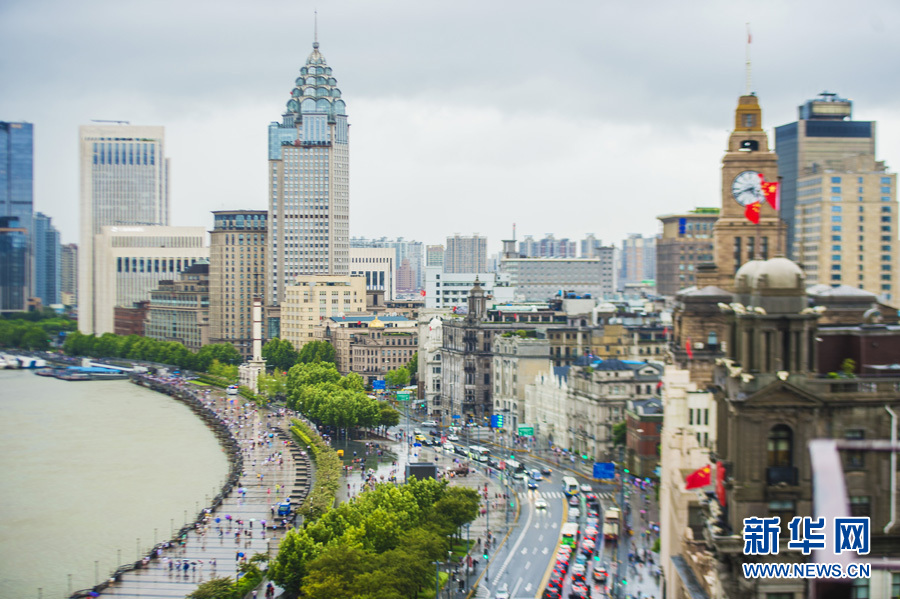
(540, 538)
(524, 550)
(528, 588)
(521, 538)
(516, 588)
(544, 551)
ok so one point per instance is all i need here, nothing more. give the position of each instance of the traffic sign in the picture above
(379, 384)
(402, 396)
(604, 470)
(526, 431)
(456, 415)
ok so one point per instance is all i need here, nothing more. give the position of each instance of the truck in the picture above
(284, 509)
(611, 524)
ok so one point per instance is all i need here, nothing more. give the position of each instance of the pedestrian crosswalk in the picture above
(608, 496)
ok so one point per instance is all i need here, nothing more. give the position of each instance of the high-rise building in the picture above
(434, 255)
(839, 201)
(638, 260)
(129, 262)
(309, 198)
(590, 246)
(822, 138)
(466, 254)
(685, 242)
(548, 247)
(68, 274)
(540, 279)
(237, 275)
(312, 299)
(124, 183)
(46, 251)
(17, 171)
(378, 265)
(14, 271)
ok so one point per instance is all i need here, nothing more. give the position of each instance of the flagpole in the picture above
(779, 222)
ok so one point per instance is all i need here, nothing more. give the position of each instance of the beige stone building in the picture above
(370, 345)
(517, 361)
(314, 298)
(179, 308)
(237, 275)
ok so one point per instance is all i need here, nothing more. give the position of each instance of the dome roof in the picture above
(745, 275)
(376, 324)
(779, 273)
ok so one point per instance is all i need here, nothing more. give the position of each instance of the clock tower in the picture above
(736, 240)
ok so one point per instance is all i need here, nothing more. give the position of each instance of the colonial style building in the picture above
(179, 309)
(370, 345)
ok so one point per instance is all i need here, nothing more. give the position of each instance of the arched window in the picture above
(780, 447)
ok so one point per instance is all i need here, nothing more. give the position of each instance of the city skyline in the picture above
(641, 100)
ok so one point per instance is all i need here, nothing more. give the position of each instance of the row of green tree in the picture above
(280, 354)
(318, 390)
(381, 545)
(135, 347)
(33, 330)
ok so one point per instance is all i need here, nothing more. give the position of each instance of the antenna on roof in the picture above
(315, 28)
(749, 78)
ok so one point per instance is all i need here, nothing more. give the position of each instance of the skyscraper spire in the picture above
(749, 78)
(315, 29)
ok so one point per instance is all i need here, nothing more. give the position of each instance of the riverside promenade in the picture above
(243, 524)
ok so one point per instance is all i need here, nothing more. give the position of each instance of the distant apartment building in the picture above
(434, 255)
(637, 260)
(406, 278)
(129, 262)
(405, 249)
(548, 247)
(68, 274)
(131, 320)
(124, 183)
(312, 299)
(179, 308)
(378, 265)
(465, 254)
(685, 242)
(590, 246)
(451, 290)
(237, 275)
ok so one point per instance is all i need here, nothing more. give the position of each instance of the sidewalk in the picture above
(213, 549)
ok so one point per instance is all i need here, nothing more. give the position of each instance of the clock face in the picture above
(747, 188)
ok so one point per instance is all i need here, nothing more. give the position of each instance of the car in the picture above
(579, 591)
(452, 437)
(493, 462)
(520, 475)
(540, 504)
(536, 474)
(430, 423)
(417, 432)
(579, 569)
(587, 547)
(546, 471)
(577, 577)
(574, 513)
(573, 501)
(591, 499)
(581, 559)
(420, 438)
(586, 488)
(502, 592)
(533, 485)
(449, 446)
(552, 593)
(434, 433)
(600, 574)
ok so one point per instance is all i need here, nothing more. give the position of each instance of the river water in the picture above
(93, 471)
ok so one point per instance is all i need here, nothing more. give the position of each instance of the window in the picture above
(860, 589)
(835, 190)
(780, 446)
(859, 506)
(835, 179)
(855, 460)
(779, 596)
(895, 585)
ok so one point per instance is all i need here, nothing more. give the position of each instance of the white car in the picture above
(448, 447)
(452, 438)
(540, 504)
(430, 423)
(574, 513)
(586, 488)
(502, 592)
(578, 569)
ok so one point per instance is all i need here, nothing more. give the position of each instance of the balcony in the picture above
(781, 474)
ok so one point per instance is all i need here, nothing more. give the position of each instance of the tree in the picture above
(618, 433)
(848, 367)
(388, 416)
(317, 351)
(290, 566)
(413, 367)
(279, 354)
(217, 588)
(397, 378)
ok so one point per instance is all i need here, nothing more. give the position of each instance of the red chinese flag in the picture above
(752, 212)
(689, 349)
(422, 293)
(720, 483)
(698, 478)
(772, 191)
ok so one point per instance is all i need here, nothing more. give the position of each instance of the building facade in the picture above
(404, 249)
(539, 279)
(124, 182)
(312, 299)
(822, 138)
(15, 274)
(434, 255)
(684, 243)
(517, 360)
(370, 346)
(237, 275)
(465, 254)
(129, 262)
(379, 267)
(47, 262)
(309, 197)
(68, 274)
(179, 308)
(17, 171)
(451, 290)
(548, 247)
(637, 260)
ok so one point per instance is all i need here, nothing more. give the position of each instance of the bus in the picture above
(478, 453)
(570, 486)
(570, 534)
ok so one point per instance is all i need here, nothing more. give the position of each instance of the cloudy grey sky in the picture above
(563, 117)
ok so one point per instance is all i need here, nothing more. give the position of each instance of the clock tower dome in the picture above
(736, 240)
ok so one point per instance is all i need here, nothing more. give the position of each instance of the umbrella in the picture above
(94, 594)
(218, 520)
(228, 517)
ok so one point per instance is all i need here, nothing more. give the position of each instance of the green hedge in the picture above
(215, 381)
(328, 471)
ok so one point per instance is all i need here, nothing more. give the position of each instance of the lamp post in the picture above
(437, 579)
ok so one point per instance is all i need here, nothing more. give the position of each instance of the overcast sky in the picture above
(563, 117)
